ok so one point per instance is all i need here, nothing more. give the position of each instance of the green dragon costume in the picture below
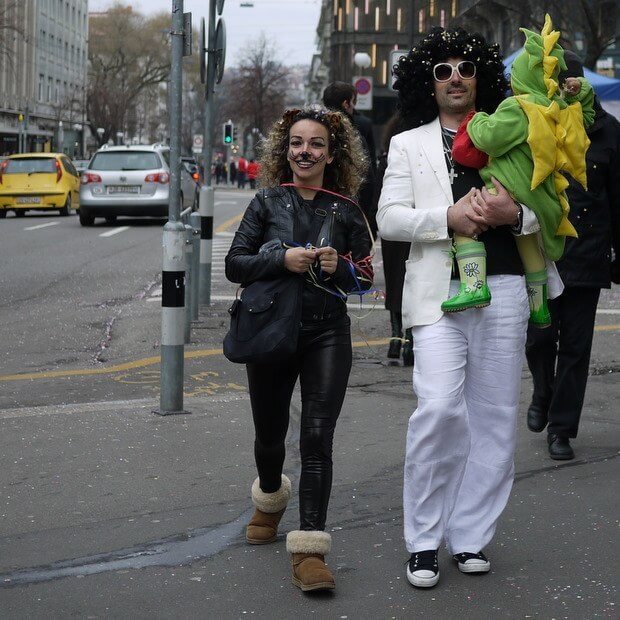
(531, 139)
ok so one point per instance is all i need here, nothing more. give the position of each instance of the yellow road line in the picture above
(140, 363)
(224, 226)
(152, 361)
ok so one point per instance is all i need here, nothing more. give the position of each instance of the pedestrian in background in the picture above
(311, 228)
(342, 96)
(459, 462)
(394, 255)
(233, 171)
(559, 356)
(252, 173)
(242, 169)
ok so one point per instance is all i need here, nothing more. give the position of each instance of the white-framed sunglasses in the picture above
(443, 71)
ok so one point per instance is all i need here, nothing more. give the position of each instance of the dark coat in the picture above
(272, 219)
(595, 213)
(368, 190)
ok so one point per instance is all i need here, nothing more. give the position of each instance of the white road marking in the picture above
(41, 226)
(224, 202)
(114, 231)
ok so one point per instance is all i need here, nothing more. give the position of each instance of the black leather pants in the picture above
(322, 363)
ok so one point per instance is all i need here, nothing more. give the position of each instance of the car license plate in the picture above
(123, 189)
(28, 200)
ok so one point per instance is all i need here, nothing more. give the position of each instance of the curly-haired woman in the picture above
(305, 222)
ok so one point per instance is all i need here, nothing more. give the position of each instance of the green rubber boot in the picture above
(474, 291)
(537, 294)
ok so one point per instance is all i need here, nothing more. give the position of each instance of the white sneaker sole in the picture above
(475, 568)
(421, 582)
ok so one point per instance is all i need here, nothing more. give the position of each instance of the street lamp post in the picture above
(100, 132)
(61, 137)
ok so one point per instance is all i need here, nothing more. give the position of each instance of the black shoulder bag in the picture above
(265, 320)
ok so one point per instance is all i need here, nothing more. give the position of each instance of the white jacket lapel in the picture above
(432, 146)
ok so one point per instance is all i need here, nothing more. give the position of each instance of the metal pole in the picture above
(189, 280)
(194, 220)
(206, 198)
(173, 275)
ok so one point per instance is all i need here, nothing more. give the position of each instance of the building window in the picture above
(384, 72)
(421, 20)
(49, 89)
(388, 7)
(431, 11)
(373, 55)
(377, 19)
(399, 19)
(454, 8)
(340, 16)
(41, 86)
(335, 8)
(356, 21)
(442, 18)
(347, 5)
(367, 7)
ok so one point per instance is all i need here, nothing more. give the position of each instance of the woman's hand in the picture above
(328, 259)
(298, 260)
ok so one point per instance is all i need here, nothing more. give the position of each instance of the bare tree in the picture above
(10, 27)
(257, 94)
(585, 25)
(128, 54)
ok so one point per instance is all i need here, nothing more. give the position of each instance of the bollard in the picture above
(206, 200)
(189, 280)
(173, 317)
(194, 220)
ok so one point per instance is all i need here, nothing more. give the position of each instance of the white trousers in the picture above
(459, 464)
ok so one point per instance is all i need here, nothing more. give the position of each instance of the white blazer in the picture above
(413, 207)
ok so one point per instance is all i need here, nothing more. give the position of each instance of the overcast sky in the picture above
(289, 24)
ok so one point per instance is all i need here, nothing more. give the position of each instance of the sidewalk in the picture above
(110, 511)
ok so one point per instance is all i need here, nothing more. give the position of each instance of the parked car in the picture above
(38, 181)
(131, 180)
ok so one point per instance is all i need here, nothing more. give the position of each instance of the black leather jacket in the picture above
(275, 217)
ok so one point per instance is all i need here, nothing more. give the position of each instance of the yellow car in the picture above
(38, 181)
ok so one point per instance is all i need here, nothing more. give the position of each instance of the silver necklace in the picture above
(447, 150)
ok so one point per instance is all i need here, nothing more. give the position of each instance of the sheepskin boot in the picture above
(263, 526)
(308, 550)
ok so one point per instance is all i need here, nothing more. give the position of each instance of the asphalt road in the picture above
(108, 511)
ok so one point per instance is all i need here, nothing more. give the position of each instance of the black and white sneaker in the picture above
(472, 562)
(422, 569)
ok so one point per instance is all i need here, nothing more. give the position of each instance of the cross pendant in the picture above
(452, 175)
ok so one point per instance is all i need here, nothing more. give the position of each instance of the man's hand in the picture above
(462, 218)
(298, 260)
(497, 210)
(328, 259)
(571, 86)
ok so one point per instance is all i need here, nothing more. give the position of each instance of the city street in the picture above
(110, 511)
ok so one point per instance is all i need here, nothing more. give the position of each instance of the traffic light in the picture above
(235, 137)
(228, 130)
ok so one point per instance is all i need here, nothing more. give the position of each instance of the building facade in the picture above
(43, 76)
(378, 27)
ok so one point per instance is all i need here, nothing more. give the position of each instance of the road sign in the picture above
(395, 56)
(363, 86)
(220, 50)
(202, 51)
(197, 143)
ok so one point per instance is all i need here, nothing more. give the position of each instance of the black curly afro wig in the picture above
(414, 74)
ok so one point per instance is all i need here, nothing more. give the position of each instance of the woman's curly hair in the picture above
(346, 172)
(414, 73)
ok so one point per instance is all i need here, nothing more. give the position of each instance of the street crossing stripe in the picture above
(224, 226)
(153, 361)
(41, 226)
(114, 231)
